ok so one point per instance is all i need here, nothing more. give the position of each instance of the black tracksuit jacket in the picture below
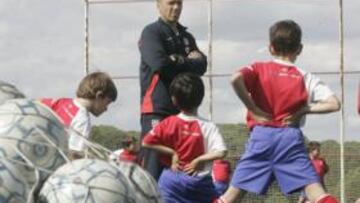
(158, 41)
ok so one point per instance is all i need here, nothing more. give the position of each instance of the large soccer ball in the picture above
(13, 186)
(87, 181)
(31, 135)
(9, 91)
(142, 182)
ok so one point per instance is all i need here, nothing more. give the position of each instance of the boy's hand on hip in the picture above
(175, 162)
(294, 119)
(260, 115)
(193, 167)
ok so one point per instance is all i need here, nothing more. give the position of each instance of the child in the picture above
(95, 92)
(190, 143)
(221, 175)
(277, 95)
(319, 164)
(129, 150)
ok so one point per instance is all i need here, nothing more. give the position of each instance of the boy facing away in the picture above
(277, 95)
(321, 168)
(95, 92)
(190, 143)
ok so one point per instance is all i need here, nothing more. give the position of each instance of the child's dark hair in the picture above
(127, 141)
(312, 145)
(285, 37)
(97, 82)
(188, 90)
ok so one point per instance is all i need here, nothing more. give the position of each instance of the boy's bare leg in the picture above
(233, 195)
(314, 191)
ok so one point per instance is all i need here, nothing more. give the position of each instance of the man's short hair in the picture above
(97, 82)
(285, 37)
(188, 90)
(313, 145)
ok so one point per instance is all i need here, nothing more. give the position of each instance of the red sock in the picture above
(219, 200)
(328, 199)
(216, 201)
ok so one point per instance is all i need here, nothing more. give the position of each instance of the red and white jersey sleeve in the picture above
(75, 117)
(213, 139)
(64, 108)
(317, 90)
(189, 136)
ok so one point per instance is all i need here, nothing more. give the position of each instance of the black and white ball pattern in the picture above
(87, 181)
(142, 182)
(26, 130)
(9, 91)
(13, 186)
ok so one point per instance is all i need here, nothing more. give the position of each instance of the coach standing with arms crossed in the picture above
(166, 49)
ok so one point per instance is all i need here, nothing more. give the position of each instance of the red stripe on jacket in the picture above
(147, 105)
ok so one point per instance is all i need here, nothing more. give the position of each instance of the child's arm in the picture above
(175, 164)
(241, 91)
(197, 164)
(329, 105)
(321, 100)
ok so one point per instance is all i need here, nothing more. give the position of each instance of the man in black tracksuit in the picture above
(166, 49)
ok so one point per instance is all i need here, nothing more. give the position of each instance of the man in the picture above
(166, 49)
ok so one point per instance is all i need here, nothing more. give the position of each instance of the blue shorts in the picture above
(178, 187)
(221, 187)
(274, 153)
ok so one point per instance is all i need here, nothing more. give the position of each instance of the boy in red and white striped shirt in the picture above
(95, 92)
(189, 143)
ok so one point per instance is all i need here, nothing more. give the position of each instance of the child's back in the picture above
(189, 136)
(280, 88)
(190, 143)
